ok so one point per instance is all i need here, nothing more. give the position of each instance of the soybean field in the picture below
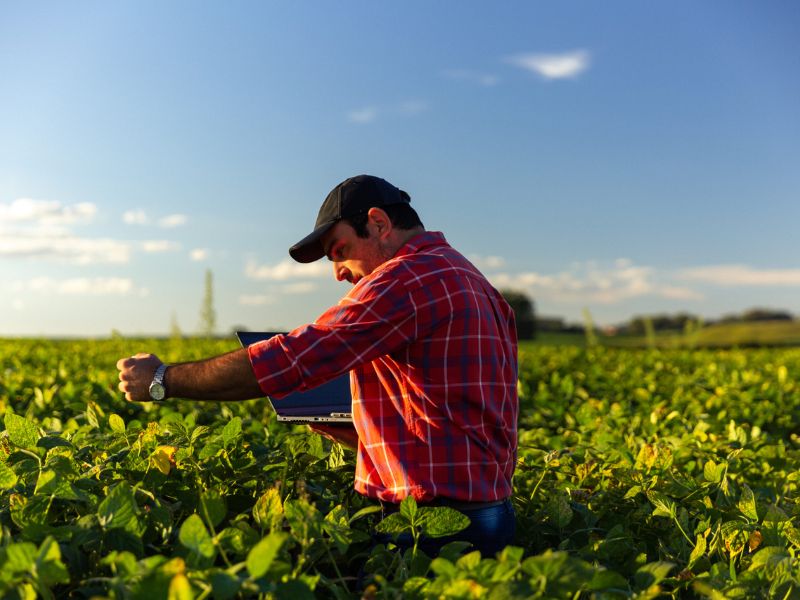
(650, 473)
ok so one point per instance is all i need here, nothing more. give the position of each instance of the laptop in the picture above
(330, 402)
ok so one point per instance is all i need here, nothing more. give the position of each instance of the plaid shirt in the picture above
(432, 352)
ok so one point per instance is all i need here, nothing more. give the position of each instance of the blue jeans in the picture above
(490, 530)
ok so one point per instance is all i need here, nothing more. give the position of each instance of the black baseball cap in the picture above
(353, 196)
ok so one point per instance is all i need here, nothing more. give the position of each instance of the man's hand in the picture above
(343, 433)
(135, 375)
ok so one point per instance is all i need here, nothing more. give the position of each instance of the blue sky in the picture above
(624, 157)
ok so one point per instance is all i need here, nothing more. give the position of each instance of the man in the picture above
(432, 353)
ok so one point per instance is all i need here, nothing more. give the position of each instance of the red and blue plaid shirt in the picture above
(431, 348)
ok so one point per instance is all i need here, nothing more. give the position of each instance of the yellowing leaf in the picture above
(747, 503)
(180, 588)
(755, 540)
(163, 458)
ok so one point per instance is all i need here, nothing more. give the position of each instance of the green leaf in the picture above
(367, 510)
(304, 519)
(443, 521)
(118, 509)
(769, 556)
(8, 478)
(747, 503)
(607, 580)
(54, 484)
(116, 423)
(698, 552)
(48, 563)
(294, 590)
(393, 524)
(469, 562)
(632, 492)
(212, 506)
(268, 510)
(232, 430)
(263, 554)
(559, 510)
(664, 506)
(443, 568)
(19, 557)
(209, 450)
(224, 585)
(31, 512)
(713, 472)
(408, 508)
(22, 432)
(198, 431)
(94, 414)
(195, 537)
(652, 573)
(452, 550)
(336, 526)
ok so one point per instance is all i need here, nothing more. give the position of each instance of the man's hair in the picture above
(401, 215)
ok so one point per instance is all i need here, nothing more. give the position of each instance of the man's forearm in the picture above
(225, 377)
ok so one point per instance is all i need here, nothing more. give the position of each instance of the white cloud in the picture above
(80, 286)
(566, 65)
(135, 217)
(370, 114)
(742, 275)
(153, 246)
(45, 212)
(198, 254)
(484, 79)
(63, 247)
(363, 115)
(301, 287)
(256, 300)
(18, 304)
(680, 293)
(487, 262)
(172, 221)
(590, 283)
(288, 269)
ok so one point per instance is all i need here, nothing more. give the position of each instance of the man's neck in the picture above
(402, 237)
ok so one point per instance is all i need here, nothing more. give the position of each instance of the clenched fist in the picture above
(135, 375)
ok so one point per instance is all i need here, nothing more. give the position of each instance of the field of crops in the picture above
(642, 473)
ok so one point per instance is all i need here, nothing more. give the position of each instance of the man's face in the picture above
(352, 257)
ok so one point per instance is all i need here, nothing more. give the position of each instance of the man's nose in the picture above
(341, 272)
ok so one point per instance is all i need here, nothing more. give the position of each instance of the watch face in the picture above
(157, 391)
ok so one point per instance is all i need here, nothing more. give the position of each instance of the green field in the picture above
(642, 474)
(720, 335)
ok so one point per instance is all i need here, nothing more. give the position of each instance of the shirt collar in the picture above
(423, 240)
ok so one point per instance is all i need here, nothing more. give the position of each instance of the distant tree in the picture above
(757, 314)
(766, 314)
(550, 324)
(208, 316)
(524, 313)
(660, 322)
(175, 332)
(589, 329)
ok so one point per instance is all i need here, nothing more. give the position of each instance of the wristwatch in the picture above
(158, 391)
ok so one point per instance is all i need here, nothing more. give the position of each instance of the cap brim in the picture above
(310, 249)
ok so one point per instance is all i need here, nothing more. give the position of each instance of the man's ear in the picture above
(378, 218)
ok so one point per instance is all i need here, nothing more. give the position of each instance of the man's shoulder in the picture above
(429, 257)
